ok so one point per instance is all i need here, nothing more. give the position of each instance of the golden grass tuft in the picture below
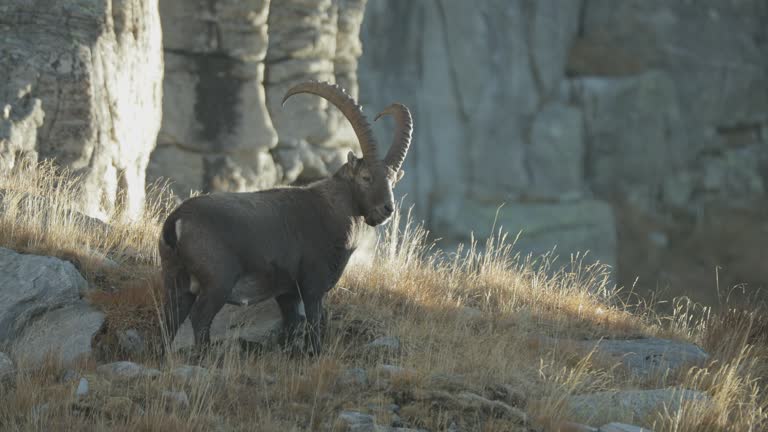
(469, 323)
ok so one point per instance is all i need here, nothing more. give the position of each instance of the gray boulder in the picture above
(126, 370)
(33, 285)
(257, 324)
(629, 405)
(78, 77)
(41, 311)
(645, 358)
(66, 333)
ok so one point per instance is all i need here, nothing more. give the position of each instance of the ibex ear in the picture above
(351, 159)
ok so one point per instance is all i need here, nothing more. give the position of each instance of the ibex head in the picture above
(371, 179)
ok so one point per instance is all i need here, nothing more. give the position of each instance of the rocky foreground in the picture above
(45, 310)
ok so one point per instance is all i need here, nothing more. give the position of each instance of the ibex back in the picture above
(290, 243)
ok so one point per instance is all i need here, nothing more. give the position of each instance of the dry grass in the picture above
(472, 322)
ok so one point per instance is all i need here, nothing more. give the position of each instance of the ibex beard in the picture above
(287, 243)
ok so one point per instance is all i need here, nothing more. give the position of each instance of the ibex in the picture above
(291, 243)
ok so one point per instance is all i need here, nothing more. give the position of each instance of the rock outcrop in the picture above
(85, 91)
(216, 132)
(557, 108)
(228, 65)
(41, 311)
(312, 40)
(485, 85)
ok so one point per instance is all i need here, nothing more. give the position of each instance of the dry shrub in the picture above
(134, 306)
(40, 215)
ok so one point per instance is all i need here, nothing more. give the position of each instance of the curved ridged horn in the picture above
(402, 137)
(336, 95)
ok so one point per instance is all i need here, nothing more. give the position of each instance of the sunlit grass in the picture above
(468, 322)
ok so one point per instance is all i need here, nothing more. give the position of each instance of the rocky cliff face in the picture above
(228, 65)
(82, 85)
(572, 113)
(485, 82)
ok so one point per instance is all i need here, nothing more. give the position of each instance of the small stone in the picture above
(176, 399)
(621, 427)
(576, 427)
(187, 373)
(82, 388)
(131, 342)
(124, 370)
(70, 375)
(388, 342)
(357, 422)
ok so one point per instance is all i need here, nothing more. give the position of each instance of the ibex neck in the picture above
(339, 195)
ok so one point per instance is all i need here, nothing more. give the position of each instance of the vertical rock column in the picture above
(317, 39)
(81, 84)
(216, 132)
(484, 81)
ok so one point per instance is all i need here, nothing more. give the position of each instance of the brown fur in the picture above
(290, 243)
